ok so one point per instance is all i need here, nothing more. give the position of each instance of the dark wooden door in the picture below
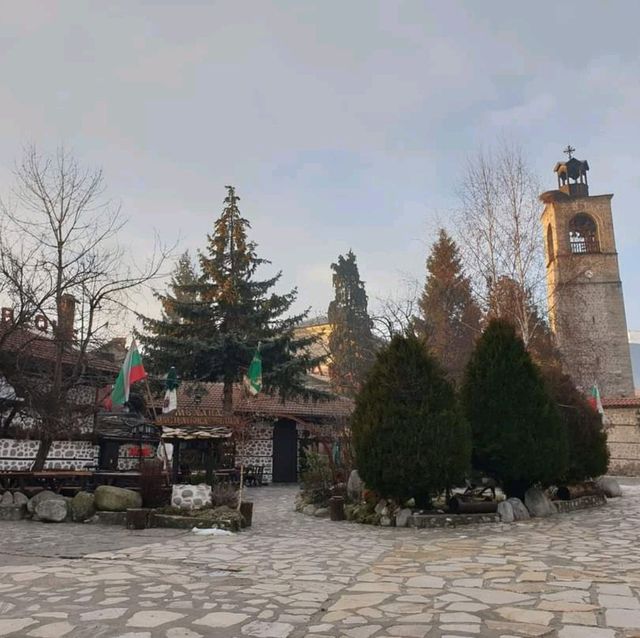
(285, 452)
(108, 459)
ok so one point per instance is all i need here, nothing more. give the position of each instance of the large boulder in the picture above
(6, 499)
(51, 510)
(355, 486)
(402, 517)
(520, 512)
(116, 499)
(538, 503)
(20, 499)
(45, 495)
(609, 486)
(82, 507)
(505, 512)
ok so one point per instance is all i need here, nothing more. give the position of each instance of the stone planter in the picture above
(246, 509)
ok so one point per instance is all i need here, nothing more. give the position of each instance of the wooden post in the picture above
(176, 459)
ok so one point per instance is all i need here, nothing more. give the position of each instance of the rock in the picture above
(538, 503)
(380, 507)
(322, 512)
(385, 521)
(20, 499)
(82, 507)
(38, 498)
(609, 486)
(355, 486)
(51, 510)
(116, 499)
(309, 510)
(13, 512)
(520, 512)
(402, 517)
(6, 500)
(505, 511)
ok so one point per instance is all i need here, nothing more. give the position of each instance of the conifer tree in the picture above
(409, 437)
(588, 451)
(450, 317)
(182, 288)
(509, 301)
(221, 319)
(517, 433)
(351, 343)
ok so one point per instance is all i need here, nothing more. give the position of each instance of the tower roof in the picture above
(572, 175)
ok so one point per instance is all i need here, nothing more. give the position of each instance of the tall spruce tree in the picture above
(182, 288)
(517, 433)
(450, 317)
(351, 343)
(216, 327)
(409, 437)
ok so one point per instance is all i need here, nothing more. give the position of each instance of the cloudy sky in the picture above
(342, 124)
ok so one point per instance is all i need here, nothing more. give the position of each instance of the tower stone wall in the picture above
(586, 305)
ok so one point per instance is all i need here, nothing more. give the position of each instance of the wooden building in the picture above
(263, 431)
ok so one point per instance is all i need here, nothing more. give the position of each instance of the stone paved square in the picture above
(572, 576)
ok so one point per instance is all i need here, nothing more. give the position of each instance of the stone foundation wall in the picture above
(623, 437)
(258, 448)
(18, 454)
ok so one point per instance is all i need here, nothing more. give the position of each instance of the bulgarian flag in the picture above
(594, 399)
(253, 378)
(132, 370)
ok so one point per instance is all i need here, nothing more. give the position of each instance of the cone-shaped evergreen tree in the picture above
(351, 342)
(182, 288)
(588, 451)
(409, 437)
(518, 436)
(215, 330)
(450, 317)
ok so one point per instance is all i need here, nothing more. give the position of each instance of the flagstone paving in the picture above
(571, 576)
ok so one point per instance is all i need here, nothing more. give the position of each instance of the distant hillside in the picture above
(635, 362)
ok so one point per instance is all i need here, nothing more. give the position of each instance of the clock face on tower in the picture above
(588, 274)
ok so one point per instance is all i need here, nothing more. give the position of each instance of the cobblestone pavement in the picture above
(573, 576)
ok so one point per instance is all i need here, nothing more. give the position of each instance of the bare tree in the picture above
(396, 314)
(61, 264)
(499, 232)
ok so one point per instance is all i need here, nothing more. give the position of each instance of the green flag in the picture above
(253, 378)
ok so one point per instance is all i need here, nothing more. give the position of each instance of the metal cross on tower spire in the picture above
(569, 150)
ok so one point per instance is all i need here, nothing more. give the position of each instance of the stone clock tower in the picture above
(584, 292)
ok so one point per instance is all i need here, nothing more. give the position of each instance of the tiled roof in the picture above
(40, 346)
(264, 404)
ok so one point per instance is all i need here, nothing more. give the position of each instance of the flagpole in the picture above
(152, 414)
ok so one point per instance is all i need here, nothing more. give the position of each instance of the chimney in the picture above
(41, 323)
(66, 318)
(6, 316)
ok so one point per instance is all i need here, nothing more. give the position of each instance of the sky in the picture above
(341, 124)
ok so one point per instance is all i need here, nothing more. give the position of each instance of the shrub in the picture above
(588, 455)
(317, 478)
(224, 494)
(409, 437)
(517, 434)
